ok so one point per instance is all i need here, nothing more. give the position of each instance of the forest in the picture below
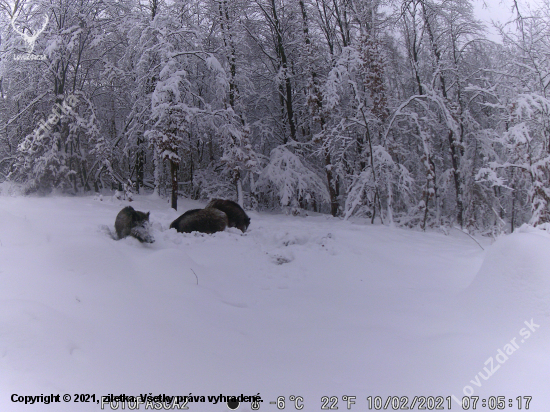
(399, 111)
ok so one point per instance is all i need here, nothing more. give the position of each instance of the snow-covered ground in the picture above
(309, 307)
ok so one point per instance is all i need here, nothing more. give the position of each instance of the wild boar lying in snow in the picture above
(201, 220)
(235, 214)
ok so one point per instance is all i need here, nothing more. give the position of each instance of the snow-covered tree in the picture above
(290, 180)
(171, 116)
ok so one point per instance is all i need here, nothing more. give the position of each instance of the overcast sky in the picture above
(499, 11)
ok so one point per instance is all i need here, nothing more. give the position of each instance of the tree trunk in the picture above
(333, 186)
(156, 174)
(140, 163)
(316, 105)
(457, 179)
(174, 179)
(232, 54)
(284, 64)
(455, 144)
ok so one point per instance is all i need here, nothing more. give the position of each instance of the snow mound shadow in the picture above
(514, 276)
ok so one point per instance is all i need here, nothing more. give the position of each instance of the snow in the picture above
(307, 306)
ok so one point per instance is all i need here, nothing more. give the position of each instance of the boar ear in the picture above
(148, 213)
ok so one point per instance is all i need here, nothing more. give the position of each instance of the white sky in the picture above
(499, 11)
(488, 10)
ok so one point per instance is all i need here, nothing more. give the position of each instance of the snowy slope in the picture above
(308, 307)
